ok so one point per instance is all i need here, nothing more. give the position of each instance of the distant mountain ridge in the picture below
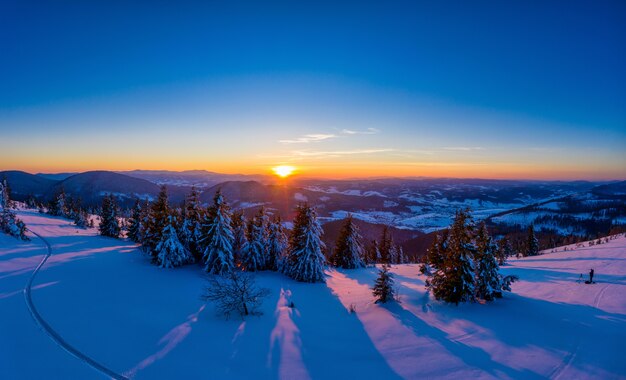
(422, 205)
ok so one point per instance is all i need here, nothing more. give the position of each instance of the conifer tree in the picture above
(253, 258)
(305, 261)
(403, 257)
(9, 223)
(144, 226)
(488, 279)
(218, 239)
(158, 219)
(134, 223)
(453, 279)
(384, 246)
(240, 231)
(394, 254)
(349, 249)
(504, 250)
(383, 287)
(58, 205)
(81, 218)
(277, 245)
(109, 224)
(532, 244)
(170, 252)
(192, 219)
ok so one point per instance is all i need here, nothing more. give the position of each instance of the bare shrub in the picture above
(235, 292)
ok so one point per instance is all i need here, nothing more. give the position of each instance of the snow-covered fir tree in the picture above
(58, 205)
(383, 289)
(404, 259)
(277, 245)
(505, 250)
(394, 254)
(170, 251)
(240, 231)
(158, 219)
(109, 224)
(134, 223)
(253, 258)
(488, 279)
(532, 244)
(81, 218)
(385, 245)
(305, 261)
(9, 223)
(349, 247)
(217, 238)
(453, 279)
(192, 219)
(5, 197)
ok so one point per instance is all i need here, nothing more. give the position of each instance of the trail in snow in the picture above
(58, 339)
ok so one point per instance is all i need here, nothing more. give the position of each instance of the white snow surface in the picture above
(105, 298)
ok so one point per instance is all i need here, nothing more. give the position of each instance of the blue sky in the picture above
(503, 89)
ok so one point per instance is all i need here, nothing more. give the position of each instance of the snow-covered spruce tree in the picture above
(5, 195)
(253, 258)
(109, 224)
(158, 219)
(81, 218)
(370, 252)
(192, 218)
(170, 251)
(349, 248)
(383, 287)
(58, 205)
(256, 255)
(435, 255)
(394, 254)
(9, 223)
(305, 261)
(217, 241)
(453, 279)
(488, 279)
(277, 245)
(532, 244)
(404, 259)
(505, 250)
(240, 230)
(134, 223)
(384, 246)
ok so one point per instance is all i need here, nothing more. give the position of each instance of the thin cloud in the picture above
(368, 131)
(315, 137)
(463, 148)
(308, 153)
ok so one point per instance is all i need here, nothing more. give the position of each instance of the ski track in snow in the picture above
(569, 358)
(55, 336)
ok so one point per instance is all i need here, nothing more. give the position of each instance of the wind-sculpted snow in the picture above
(106, 299)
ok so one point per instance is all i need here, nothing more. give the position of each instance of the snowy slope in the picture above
(107, 300)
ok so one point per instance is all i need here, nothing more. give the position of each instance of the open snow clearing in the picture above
(107, 302)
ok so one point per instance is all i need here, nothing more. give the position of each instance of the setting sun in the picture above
(283, 171)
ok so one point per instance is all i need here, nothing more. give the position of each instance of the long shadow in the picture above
(573, 259)
(472, 356)
(334, 341)
(545, 275)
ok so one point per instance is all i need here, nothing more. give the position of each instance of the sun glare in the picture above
(283, 171)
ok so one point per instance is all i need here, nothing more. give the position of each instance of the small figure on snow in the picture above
(591, 276)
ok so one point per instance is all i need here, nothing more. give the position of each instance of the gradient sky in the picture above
(496, 89)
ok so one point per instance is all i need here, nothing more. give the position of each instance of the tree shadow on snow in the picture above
(334, 341)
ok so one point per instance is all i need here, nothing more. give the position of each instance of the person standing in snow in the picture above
(591, 276)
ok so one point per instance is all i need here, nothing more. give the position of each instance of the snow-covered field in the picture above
(105, 298)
